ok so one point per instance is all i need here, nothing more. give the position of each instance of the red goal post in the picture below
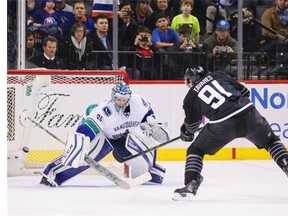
(55, 99)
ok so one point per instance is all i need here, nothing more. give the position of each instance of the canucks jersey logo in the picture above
(107, 111)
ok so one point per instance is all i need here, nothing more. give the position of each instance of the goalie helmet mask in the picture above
(193, 74)
(121, 91)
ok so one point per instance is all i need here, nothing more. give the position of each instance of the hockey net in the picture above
(55, 99)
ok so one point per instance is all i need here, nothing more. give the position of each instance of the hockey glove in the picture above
(185, 135)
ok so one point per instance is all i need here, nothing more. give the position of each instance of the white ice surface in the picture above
(229, 188)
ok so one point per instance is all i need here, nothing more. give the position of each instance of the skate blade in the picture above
(186, 198)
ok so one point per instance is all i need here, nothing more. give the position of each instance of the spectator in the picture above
(252, 5)
(186, 18)
(162, 6)
(127, 27)
(251, 30)
(45, 16)
(127, 31)
(191, 57)
(215, 11)
(12, 35)
(275, 26)
(142, 12)
(78, 15)
(165, 39)
(31, 50)
(102, 42)
(275, 36)
(62, 6)
(46, 20)
(76, 48)
(32, 6)
(143, 44)
(48, 58)
(186, 44)
(219, 47)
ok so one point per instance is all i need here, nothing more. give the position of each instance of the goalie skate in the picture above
(188, 192)
(44, 181)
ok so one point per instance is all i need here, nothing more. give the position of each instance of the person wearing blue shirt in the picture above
(165, 39)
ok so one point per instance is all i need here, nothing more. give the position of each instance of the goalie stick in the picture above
(124, 184)
(121, 159)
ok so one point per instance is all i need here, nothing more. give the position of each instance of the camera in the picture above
(221, 49)
(187, 38)
(144, 38)
(129, 13)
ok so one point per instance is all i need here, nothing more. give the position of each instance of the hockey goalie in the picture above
(126, 125)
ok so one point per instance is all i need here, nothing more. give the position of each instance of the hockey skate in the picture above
(44, 181)
(188, 192)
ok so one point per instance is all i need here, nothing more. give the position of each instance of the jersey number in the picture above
(208, 93)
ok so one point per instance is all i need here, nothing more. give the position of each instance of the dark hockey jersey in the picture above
(217, 97)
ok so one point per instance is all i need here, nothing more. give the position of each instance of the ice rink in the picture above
(229, 188)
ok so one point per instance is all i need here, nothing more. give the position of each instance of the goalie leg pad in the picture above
(137, 142)
(77, 146)
(139, 165)
(100, 147)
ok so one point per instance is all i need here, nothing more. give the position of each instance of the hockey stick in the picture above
(101, 169)
(121, 159)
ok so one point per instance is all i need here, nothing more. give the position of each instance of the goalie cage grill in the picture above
(56, 99)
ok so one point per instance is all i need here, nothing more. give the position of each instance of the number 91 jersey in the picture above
(216, 96)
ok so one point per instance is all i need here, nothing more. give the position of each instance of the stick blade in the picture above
(139, 180)
(107, 173)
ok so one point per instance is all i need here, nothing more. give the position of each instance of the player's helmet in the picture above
(193, 74)
(121, 90)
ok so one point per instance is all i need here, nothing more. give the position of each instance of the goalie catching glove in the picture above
(185, 135)
(77, 146)
(155, 129)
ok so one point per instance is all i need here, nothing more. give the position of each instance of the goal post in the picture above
(56, 99)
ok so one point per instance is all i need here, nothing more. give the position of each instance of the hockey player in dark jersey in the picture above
(230, 113)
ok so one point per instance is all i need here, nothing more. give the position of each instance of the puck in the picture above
(25, 149)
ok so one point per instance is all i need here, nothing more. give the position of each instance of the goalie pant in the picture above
(57, 173)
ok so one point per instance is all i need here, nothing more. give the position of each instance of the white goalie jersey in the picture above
(114, 123)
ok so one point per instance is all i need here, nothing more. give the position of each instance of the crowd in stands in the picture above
(157, 39)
